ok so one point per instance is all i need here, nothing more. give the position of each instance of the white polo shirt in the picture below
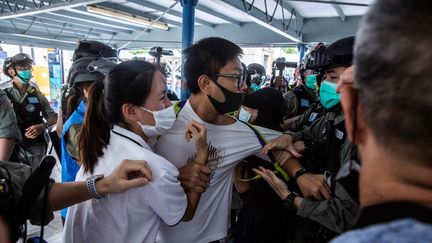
(230, 144)
(132, 216)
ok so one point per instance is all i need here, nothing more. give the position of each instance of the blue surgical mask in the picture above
(24, 76)
(311, 81)
(328, 95)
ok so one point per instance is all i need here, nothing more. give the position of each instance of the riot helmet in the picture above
(88, 48)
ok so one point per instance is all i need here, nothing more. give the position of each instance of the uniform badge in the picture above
(304, 103)
(30, 108)
(312, 117)
(339, 134)
(33, 100)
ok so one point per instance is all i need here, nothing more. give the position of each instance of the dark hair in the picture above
(128, 82)
(76, 95)
(393, 64)
(270, 105)
(208, 55)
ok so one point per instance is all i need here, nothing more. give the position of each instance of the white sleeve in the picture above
(268, 134)
(168, 198)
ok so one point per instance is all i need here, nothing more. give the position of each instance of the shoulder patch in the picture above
(312, 117)
(339, 134)
(304, 103)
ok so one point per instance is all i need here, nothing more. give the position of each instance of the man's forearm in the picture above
(62, 195)
(292, 166)
(6, 148)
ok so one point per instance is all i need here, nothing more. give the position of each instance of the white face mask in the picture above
(244, 115)
(164, 120)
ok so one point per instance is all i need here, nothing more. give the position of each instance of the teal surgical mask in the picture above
(25, 76)
(328, 95)
(311, 81)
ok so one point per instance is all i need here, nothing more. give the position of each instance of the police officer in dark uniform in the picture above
(326, 208)
(33, 111)
(304, 94)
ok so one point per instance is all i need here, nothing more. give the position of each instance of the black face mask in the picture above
(232, 102)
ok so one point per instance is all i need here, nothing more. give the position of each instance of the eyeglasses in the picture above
(240, 78)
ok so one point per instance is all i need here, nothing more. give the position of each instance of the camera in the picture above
(157, 52)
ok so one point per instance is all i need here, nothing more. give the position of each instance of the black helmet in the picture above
(259, 69)
(340, 53)
(22, 58)
(88, 69)
(93, 49)
(315, 58)
(18, 59)
(6, 65)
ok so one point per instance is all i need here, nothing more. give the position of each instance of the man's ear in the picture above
(204, 84)
(129, 113)
(354, 115)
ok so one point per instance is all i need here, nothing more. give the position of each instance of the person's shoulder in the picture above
(3, 97)
(403, 230)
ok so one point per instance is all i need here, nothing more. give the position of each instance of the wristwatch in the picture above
(288, 202)
(300, 173)
(91, 186)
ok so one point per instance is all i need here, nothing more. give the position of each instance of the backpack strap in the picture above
(178, 106)
(263, 142)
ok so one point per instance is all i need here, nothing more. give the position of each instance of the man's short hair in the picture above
(207, 56)
(393, 63)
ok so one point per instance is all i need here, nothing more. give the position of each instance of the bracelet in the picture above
(299, 173)
(91, 186)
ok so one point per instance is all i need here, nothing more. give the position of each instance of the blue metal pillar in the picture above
(187, 38)
(302, 50)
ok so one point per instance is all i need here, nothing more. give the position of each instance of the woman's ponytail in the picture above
(95, 132)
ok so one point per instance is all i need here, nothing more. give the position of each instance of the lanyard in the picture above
(121, 135)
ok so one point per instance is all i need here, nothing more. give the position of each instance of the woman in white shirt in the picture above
(123, 112)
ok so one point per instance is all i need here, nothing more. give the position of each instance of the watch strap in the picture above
(299, 173)
(288, 202)
(91, 186)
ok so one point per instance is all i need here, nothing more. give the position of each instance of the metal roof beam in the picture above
(71, 24)
(114, 21)
(81, 20)
(39, 34)
(329, 29)
(259, 17)
(219, 15)
(26, 40)
(38, 23)
(339, 12)
(81, 10)
(137, 13)
(90, 21)
(333, 2)
(171, 12)
(48, 8)
(287, 5)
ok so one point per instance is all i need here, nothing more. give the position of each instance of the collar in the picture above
(387, 212)
(192, 115)
(133, 137)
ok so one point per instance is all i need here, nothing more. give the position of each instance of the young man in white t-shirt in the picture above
(215, 78)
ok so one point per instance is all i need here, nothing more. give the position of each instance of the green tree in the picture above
(290, 50)
(138, 51)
